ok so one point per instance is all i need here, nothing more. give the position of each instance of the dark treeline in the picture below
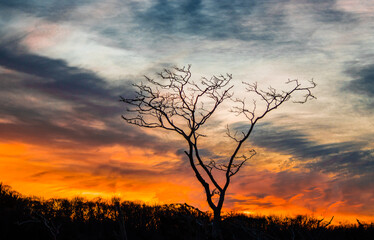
(57, 219)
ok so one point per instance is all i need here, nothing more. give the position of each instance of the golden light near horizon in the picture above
(63, 68)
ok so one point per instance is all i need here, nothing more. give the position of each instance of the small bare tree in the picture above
(176, 103)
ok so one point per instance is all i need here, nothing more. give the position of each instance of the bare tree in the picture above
(176, 103)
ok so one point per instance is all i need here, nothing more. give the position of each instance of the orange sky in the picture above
(140, 174)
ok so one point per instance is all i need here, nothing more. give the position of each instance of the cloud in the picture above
(212, 19)
(289, 183)
(293, 142)
(352, 163)
(263, 22)
(51, 10)
(347, 158)
(55, 77)
(362, 80)
(349, 164)
(51, 102)
(251, 201)
(328, 12)
(358, 192)
(314, 189)
(324, 173)
(302, 189)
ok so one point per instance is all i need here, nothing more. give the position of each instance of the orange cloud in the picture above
(107, 171)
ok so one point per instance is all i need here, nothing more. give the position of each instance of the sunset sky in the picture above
(64, 65)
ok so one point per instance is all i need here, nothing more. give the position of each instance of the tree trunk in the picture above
(216, 229)
(121, 222)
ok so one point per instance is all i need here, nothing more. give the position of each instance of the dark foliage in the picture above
(35, 218)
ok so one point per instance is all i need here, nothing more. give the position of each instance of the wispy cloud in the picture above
(362, 81)
(50, 10)
(52, 102)
(212, 19)
(296, 143)
(325, 171)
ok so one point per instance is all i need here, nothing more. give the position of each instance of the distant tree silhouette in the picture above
(176, 103)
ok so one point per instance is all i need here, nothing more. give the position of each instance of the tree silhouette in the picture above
(176, 103)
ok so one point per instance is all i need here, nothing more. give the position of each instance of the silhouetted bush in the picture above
(35, 218)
